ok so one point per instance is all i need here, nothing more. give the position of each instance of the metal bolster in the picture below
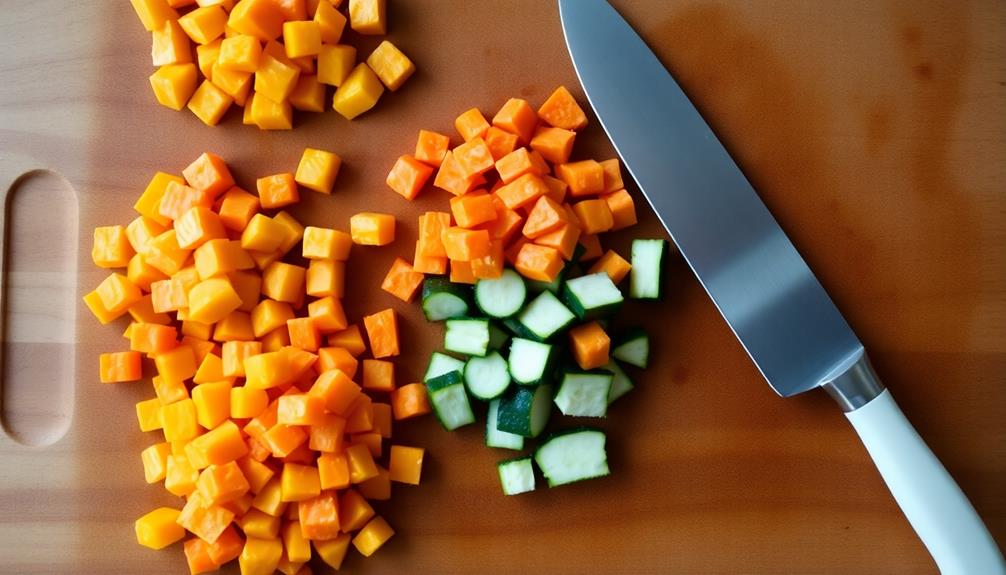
(856, 386)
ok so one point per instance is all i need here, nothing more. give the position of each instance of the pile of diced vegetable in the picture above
(274, 448)
(526, 316)
(242, 62)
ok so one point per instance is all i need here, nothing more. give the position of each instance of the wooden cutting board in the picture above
(875, 132)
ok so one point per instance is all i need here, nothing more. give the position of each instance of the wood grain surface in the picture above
(874, 131)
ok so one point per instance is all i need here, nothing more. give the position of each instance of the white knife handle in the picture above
(935, 506)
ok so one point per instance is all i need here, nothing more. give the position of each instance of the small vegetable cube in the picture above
(562, 111)
(328, 315)
(179, 420)
(373, 535)
(368, 16)
(153, 13)
(179, 198)
(391, 65)
(361, 416)
(277, 191)
(152, 338)
(258, 524)
(349, 339)
(218, 446)
(563, 239)
(260, 556)
(120, 366)
(464, 245)
(308, 95)
(490, 265)
(409, 401)
(402, 280)
(155, 460)
(514, 165)
(554, 144)
(595, 216)
(338, 391)
(173, 84)
(546, 216)
(330, 21)
(431, 147)
(180, 478)
(206, 57)
(267, 370)
(299, 482)
(235, 84)
(240, 53)
(276, 76)
(209, 174)
(269, 315)
(461, 272)
(237, 209)
(148, 413)
(500, 142)
(197, 226)
(623, 209)
(326, 244)
(471, 210)
(301, 38)
(304, 334)
(326, 278)
(248, 402)
(372, 229)
(283, 282)
(337, 358)
(327, 434)
(471, 124)
(204, 24)
(358, 93)
(376, 488)
(538, 262)
(431, 226)
(111, 247)
(361, 463)
(211, 368)
(219, 484)
(234, 354)
(333, 551)
(474, 157)
(170, 45)
(522, 191)
(378, 375)
(408, 176)
(612, 264)
(517, 117)
(248, 284)
(213, 299)
(149, 202)
(270, 115)
(406, 464)
(197, 556)
(262, 234)
(221, 256)
(590, 345)
(262, 19)
(317, 170)
(283, 439)
(117, 294)
(584, 178)
(382, 330)
(612, 176)
(209, 103)
(158, 528)
(428, 264)
(335, 63)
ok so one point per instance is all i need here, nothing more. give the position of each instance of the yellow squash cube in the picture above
(213, 403)
(391, 65)
(153, 13)
(326, 278)
(240, 53)
(174, 84)
(209, 103)
(176, 365)
(406, 464)
(262, 234)
(372, 229)
(148, 413)
(308, 95)
(248, 284)
(301, 38)
(236, 327)
(207, 55)
(333, 551)
(325, 244)
(317, 170)
(155, 461)
(262, 19)
(221, 256)
(158, 528)
(181, 476)
(204, 24)
(293, 231)
(275, 78)
(270, 115)
(299, 482)
(368, 16)
(358, 93)
(283, 282)
(258, 524)
(234, 83)
(373, 535)
(179, 420)
(335, 63)
(117, 293)
(212, 367)
(170, 45)
(149, 203)
(260, 556)
(330, 21)
(111, 248)
(298, 549)
(212, 300)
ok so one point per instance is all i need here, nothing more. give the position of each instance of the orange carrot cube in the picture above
(464, 245)
(179, 198)
(592, 245)
(461, 272)
(522, 191)
(428, 264)
(337, 390)
(473, 209)
(517, 117)
(409, 401)
(595, 216)
(304, 334)
(378, 375)
(473, 157)
(554, 144)
(623, 210)
(326, 278)
(612, 176)
(452, 178)
(277, 191)
(209, 173)
(349, 339)
(590, 345)
(584, 178)
(538, 262)
(563, 239)
(327, 314)
(300, 409)
(431, 147)
(471, 124)
(382, 330)
(431, 226)
(402, 281)
(562, 111)
(408, 176)
(612, 264)
(546, 216)
(500, 142)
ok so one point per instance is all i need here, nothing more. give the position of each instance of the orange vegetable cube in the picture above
(406, 464)
(276, 76)
(361, 463)
(595, 216)
(239, 53)
(450, 177)
(262, 234)
(213, 403)
(282, 439)
(139, 232)
(318, 170)
(260, 556)
(247, 402)
(120, 366)
(408, 176)
(592, 244)
(461, 272)
(612, 176)
(209, 103)
(301, 38)
(234, 355)
(200, 348)
(283, 282)
(584, 178)
(324, 243)
(211, 368)
(372, 229)
(219, 484)
(318, 517)
(299, 482)
(142, 274)
(258, 524)
(623, 210)
(179, 198)
(218, 257)
(211, 300)
(382, 419)
(373, 535)
(337, 358)
(277, 191)
(431, 227)
(308, 95)
(304, 334)
(206, 56)
(473, 209)
(111, 248)
(471, 124)
(382, 330)
(428, 264)
(248, 285)
(562, 111)
(197, 226)
(522, 191)
(268, 498)
(333, 551)
(612, 264)
(554, 144)
(431, 147)
(333, 470)
(237, 209)
(361, 415)
(326, 278)
(209, 174)
(117, 294)
(170, 45)
(153, 13)
(514, 165)
(269, 315)
(179, 420)
(219, 445)
(489, 266)
(148, 414)
(473, 157)
(517, 117)
(378, 375)
(464, 245)
(326, 433)
(169, 391)
(297, 549)
(507, 222)
(267, 370)
(268, 114)
(402, 281)
(256, 473)
(197, 556)
(227, 547)
(327, 314)
(203, 519)
(155, 461)
(349, 339)
(354, 511)
(204, 24)
(330, 21)
(262, 19)
(376, 488)
(563, 239)
(538, 262)
(409, 401)
(391, 65)
(143, 312)
(358, 93)
(158, 529)
(152, 338)
(300, 409)
(335, 63)
(180, 478)
(500, 142)
(150, 200)
(590, 345)
(368, 16)
(546, 216)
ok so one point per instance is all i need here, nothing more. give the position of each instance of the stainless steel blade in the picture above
(772, 301)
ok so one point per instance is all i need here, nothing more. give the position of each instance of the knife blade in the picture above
(763, 288)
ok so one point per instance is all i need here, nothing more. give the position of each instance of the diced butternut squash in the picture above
(120, 366)
(358, 93)
(554, 144)
(523, 191)
(431, 147)
(209, 103)
(174, 84)
(584, 178)
(330, 21)
(471, 124)
(317, 170)
(260, 556)
(158, 529)
(402, 281)
(301, 38)
(349, 339)
(612, 264)
(595, 216)
(538, 262)
(368, 16)
(372, 229)
(373, 535)
(335, 63)
(262, 19)
(391, 65)
(409, 401)
(153, 13)
(562, 111)
(406, 464)
(517, 117)
(623, 210)
(590, 345)
(170, 45)
(240, 53)
(382, 330)
(408, 176)
(465, 245)
(204, 24)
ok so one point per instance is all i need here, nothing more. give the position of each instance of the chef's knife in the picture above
(762, 287)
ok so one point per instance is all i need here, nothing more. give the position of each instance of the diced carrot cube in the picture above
(227, 547)
(471, 124)
(283, 282)
(554, 144)
(118, 294)
(546, 216)
(623, 210)
(489, 266)
(247, 402)
(474, 157)
(406, 464)
(428, 264)
(300, 409)
(431, 226)
(402, 281)
(507, 222)
(431, 147)
(319, 517)
(382, 330)
(372, 229)
(538, 262)
(152, 338)
(584, 178)
(612, 176)
(556, 188)
(592, 246)
(378, 375)
(304, 334)
(111, 248)
(237, 208)
(277, 191)
(452, 178)
(562, 111)
(349, 339)
(338, 391)
(409, 401)
(408, 176)
(461, 272)
(327, 314)
(337, 358)
(522, 191)
(219, 484)
(517, 117)
(209, 173)
(326, 434)
(563, 239)
(234, 354)
(612, 264)
(514, 165)
(464, 245)
(540, 166)
(473, 209)
(595, 216)
(326, 278)
(120, 366)
(590, 345)
(333, 469)
(283, 439)
(500, 142)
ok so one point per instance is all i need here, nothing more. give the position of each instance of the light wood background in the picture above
(874, 131)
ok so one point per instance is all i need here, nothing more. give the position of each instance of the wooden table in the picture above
(874, 131)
